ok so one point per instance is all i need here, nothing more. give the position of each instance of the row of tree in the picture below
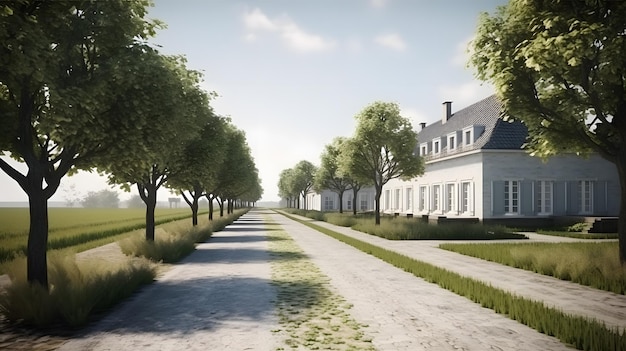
(81, 88)
(382, 148)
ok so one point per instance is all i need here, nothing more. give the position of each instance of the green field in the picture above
(76, 226)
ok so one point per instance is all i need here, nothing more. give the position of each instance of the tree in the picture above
(303, 178)
(135, 201)
(200, 163)
(59, 78)
(382, 149)
(171, 116)
(328, 176)
(285, 187)
(104, 198)
(558, 66)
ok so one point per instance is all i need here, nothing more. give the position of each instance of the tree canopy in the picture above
(59, 69)
(559, 67)
(328, 176)
(382, 148)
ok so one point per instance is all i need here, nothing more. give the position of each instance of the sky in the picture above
(293, 74)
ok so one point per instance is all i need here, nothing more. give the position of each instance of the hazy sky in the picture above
(293, 74)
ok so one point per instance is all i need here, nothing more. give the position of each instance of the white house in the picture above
(475, 168)
(329, 201)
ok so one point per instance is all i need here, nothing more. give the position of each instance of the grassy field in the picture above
(75, 226)
(592, 264)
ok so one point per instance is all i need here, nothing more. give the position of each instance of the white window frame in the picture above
(423, 149)
(585, 188)
(450, 197)
(364, 201)
(423, 191)
(396, 199)
(436, 197)
(387, 199)
(349, 202)
(329, 200)
(512, 197)
(545, 200)
(468, 136)
(466, 197)
(409, 199)
(437, 146)
(452, 141)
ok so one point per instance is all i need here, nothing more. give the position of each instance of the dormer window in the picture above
(453, 140)
(468, 136)
(423, 149)
(436, 146)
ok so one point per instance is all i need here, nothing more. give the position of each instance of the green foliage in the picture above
(582, 333)
(104, 198)
(577, 235)
(592, 264)
(343, 220)
(76, 292)
(577, 227)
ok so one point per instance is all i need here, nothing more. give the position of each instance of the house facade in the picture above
(328, 201)
(475, 168)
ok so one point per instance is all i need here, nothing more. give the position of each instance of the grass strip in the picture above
(311, 315)
(580, 332)
(594, 264)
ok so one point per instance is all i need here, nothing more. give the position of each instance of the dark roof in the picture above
(487, 113)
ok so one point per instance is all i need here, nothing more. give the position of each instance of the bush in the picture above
(411, 229)
(577, 227)
(340, 219)
(74, 292)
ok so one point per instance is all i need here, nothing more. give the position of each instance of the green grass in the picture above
(76, 291)
(311, 315)
(402, 228)
(592, 264)
(75, 226)
(175, 240)
(577, 235)
(582, 333)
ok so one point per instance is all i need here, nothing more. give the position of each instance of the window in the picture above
(436, 146)
(349, 203)
(452, 141)
(397, 199)
(511, 196)
(422, 198)
(364, 202)
(450, 197)
(328, 203)
(467, 137)
(387, 199)
(409, 199)
(465, 197)
(436, 199)
(585, 187)
(423, 149)
(544, 200)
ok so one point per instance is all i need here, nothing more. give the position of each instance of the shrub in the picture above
(344, 220)
(74, 292)
(577, 227)
(411, 229)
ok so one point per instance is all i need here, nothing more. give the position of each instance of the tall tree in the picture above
(60, 75)
(559, 67)
(382, 148)
(285, 187)
(172, 116)
(200, 163)
(303, 179)
(328, 176)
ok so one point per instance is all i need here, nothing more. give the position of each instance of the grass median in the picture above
(582, 333)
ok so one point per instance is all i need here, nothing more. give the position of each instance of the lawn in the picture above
(75, 226)
(594, 264)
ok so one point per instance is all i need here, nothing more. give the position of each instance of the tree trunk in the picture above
(194, 211)
(355, 192)
(221, 203)
(37, 264)
(149, 197)
(340, 201)
(621, 221)
(379, 190)
(210, 207)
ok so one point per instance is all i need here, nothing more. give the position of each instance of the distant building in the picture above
(328, 201)
(475, 168)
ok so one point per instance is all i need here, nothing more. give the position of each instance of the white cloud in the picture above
(293, 36)
(462, 54)
(392, 41)
(415, 116)
(378, 4)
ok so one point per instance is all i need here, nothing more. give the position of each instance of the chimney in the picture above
(422, 125)
(447, 111)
